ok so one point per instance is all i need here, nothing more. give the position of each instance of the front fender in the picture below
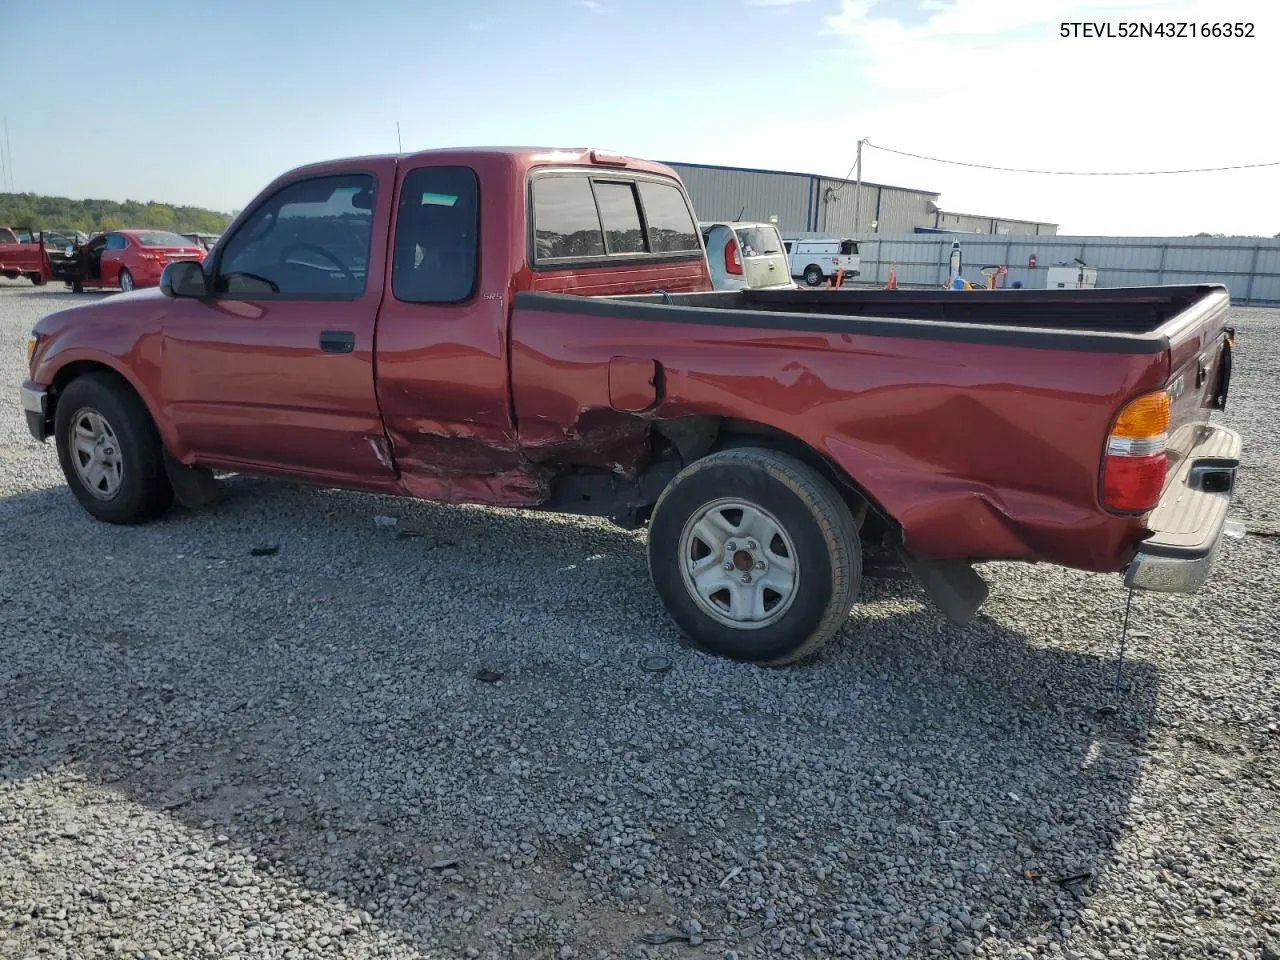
(62, 359)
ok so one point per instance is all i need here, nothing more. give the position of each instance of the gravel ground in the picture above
(207, 753)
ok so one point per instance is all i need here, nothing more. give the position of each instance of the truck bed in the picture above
(1128, 320)
(976, 420)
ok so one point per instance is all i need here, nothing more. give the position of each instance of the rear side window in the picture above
(565, 220)
(848, 248)
(585, 217)
(620, 217)
(671, 228)
(437, 230)
(116, 242)
(7, 236)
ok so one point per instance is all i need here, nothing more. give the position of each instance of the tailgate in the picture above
(1200, 344)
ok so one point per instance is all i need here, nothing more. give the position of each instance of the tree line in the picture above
(90, 216)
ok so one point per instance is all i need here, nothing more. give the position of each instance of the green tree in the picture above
(53, 213)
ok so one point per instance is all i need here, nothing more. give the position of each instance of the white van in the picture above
(819, 260)
(745, 256)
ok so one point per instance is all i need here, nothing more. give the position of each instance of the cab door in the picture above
(274, 370)
(112, 259)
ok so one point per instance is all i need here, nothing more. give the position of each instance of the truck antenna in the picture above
(399, 145)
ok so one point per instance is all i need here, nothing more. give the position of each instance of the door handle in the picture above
(337, 341)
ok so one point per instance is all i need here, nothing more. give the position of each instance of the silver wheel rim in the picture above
(739, 564)
(95, 454)
(126, 281)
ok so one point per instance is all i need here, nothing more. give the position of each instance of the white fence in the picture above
(1248, 267)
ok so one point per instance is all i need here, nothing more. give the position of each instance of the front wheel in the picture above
(755, 556)
(126, 280)
(813, 275)
(110, 451)
(37, 279)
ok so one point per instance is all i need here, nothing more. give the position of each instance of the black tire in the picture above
(828, 553)
(36, 279)
(125, 279)
(813, 275)
(77, 286)
(144, 491)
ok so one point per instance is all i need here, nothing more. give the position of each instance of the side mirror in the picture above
(185, 278)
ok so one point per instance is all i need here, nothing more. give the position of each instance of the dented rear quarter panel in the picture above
(977, 451)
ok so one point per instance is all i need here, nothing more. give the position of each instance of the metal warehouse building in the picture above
(809, 203)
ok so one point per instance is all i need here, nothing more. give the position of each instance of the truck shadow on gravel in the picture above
(318, 703)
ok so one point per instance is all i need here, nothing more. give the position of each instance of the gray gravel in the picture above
(205, 753)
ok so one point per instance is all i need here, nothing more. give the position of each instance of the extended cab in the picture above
(536, 328)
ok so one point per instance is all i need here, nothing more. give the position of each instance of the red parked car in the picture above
(537, 328)
(127, 259)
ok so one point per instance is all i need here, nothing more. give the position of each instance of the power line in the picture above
(1076, 173)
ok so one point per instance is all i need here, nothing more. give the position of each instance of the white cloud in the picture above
(993, 81)
(774, 3)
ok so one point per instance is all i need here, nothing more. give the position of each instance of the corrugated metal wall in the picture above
(748, 195)
(894, 209)
(1249, 268)
(796, 199)
(972, 223)
(903, 210)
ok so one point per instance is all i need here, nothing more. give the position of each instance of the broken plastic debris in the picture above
(385, 521)
(1234, 529)
(656, 664)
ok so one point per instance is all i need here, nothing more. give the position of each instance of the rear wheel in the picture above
(36, 279)
(77, 286)
(110, 451)
(813, 275)
(126, 279)
(755, 556)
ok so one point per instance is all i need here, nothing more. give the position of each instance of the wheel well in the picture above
(723, 433)
(81, 368)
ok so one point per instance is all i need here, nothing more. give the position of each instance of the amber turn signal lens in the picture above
(1146, 416)
(32, 341)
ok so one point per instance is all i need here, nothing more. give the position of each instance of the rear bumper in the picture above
(1187, 525)
(35, 405)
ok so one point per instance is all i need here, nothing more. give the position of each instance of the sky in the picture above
(206, 103)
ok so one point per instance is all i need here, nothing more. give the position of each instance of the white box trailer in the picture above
(1072, 277)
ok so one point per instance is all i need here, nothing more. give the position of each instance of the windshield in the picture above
(159, 238)
(759, 241)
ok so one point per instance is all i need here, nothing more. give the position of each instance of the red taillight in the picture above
(1134, 464)
(1133, 484)
(732, 262)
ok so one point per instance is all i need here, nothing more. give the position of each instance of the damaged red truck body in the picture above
(536, 328)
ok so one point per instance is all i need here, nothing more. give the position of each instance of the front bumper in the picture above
(35, 404)
(1187, 525)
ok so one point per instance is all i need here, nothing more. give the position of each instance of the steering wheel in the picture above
(314, 248)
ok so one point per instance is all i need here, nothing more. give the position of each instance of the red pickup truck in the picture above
(536, 328)
(22, 255)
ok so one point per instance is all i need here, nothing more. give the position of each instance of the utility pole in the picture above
(857, 192)
(8, 147)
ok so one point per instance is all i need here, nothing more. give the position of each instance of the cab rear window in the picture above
(587, 217)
